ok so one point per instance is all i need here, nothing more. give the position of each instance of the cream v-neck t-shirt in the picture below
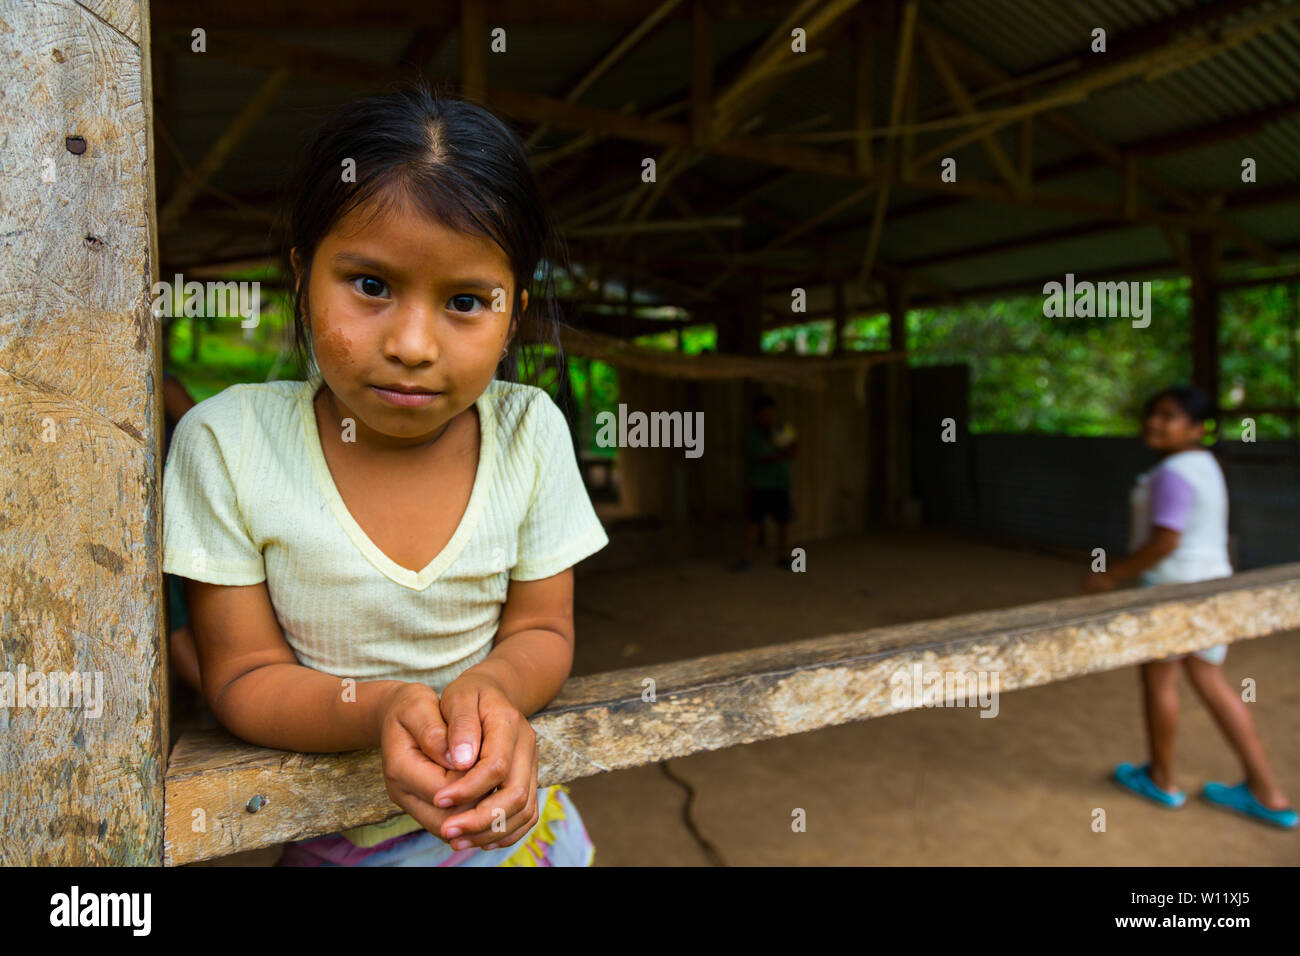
(248, 497)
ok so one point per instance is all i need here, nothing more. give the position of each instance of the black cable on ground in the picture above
(710, 851)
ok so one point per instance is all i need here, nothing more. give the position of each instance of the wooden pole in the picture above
(863, 64)
(473, 49)
(81, 777)
(1203, 252)
(841, 315)
(902, 71)
(702, 56)
(900, 407)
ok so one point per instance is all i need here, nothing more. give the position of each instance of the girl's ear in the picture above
(514, 320)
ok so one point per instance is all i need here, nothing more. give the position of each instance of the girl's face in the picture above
(400, 309)
(1169, 429)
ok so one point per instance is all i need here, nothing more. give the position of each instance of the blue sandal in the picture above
(1239, 799)
(1138, 780)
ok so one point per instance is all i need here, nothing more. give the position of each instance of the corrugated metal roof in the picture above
(1021, 37)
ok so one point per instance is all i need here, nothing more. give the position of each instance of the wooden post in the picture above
(1203, 254)
(896, 298)
(80, 384)
(841, 314)
(899, 481)
(863, 63)
(629, 305)
(750, 329)
(701, 115)
(473, 51)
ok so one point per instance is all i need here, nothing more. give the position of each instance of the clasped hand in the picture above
(465, 765)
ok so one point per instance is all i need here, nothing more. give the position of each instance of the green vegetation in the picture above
(1088, 376)
(1028, 373)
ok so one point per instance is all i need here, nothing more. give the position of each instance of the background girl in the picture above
(1179, 532)
(381, 555)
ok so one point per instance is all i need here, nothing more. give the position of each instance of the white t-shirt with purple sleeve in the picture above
(1185, 492)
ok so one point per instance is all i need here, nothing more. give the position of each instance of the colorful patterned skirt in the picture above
(558, 838)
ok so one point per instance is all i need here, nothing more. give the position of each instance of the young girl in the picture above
(382, 556)
(1180, 533)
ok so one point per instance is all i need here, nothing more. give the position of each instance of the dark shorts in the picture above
(177, 614)
(774, 502)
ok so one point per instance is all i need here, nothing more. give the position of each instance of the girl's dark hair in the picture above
(457, 163)
(1192, 400)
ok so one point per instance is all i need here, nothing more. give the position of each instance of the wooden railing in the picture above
(224, 796)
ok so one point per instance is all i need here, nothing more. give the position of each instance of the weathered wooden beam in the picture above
(1025, 170)
(815, 220)
(733, 108)
(1179, 248)
(686, 209)
(263, 52)
(902, 71)
(472, 45)
(841, 311)
(610, 59)
(770, 52)
(658, 226)
(368, 14)
(863, 66)
(606, 722)
(965, 105)
(193, 183)
(907, 132)
(81, 766)
(601, 122)
(702, 66)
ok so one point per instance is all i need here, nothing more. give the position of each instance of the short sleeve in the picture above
(205, 536)
(1172, 497)
(560, 527)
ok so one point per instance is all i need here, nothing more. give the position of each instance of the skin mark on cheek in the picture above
(337, 347)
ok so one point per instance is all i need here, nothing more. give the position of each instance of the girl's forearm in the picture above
(291, 707)
(531, 667)
(1145, 557)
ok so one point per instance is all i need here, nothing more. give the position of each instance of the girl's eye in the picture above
(466, 299)
(370, 286)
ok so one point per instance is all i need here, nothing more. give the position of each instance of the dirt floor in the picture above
(928, 787)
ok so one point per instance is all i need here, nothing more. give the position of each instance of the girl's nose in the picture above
(412, 336)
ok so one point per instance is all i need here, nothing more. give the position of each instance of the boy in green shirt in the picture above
(767, 482)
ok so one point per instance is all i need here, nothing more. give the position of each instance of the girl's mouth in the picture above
(405, 399)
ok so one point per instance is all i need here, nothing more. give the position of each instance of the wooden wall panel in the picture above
(828, 476)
